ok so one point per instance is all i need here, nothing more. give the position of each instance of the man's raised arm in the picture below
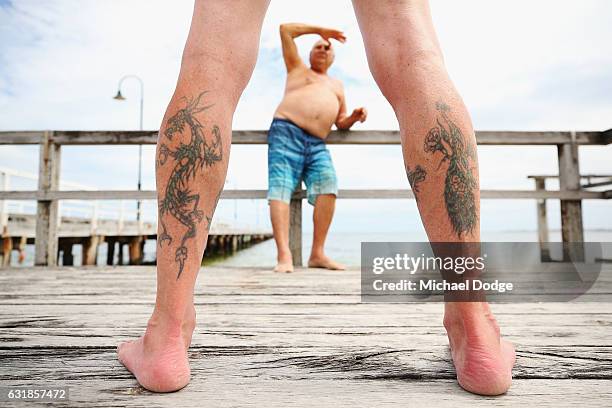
(290, 31)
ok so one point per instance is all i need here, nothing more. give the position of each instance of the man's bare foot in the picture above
(483, 361)
(159, 359)
(284, 261)
(325, 262)
(284, 267)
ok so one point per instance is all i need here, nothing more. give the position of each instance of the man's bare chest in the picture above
(311, 83)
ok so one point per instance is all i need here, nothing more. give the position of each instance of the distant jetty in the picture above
(118, 236)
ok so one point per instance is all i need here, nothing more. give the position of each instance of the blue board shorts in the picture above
(293, 156)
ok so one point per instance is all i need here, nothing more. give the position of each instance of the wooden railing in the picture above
(571, 193)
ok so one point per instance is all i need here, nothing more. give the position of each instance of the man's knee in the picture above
(324, 199)
(223, 42)
(401, 44)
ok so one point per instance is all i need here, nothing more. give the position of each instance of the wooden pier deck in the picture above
(284, 340)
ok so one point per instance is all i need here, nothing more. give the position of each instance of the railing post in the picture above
(121, 218)
(47, 210)
(90, 250)
(295, 226)
(4, 213)
(135, 250)
(7, 250)
(571, 210)
(542, 221)
(94, 218)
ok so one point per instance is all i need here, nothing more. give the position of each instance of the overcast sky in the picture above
(520, 65)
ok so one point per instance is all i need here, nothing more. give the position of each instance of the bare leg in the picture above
(192, 157)
(440, 156)
(322, 218)
(279, 213)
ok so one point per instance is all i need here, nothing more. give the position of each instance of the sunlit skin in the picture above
(315, 102)
(406, 61)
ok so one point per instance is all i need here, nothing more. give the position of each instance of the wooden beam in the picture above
(101, 137)
(357, 137)
(606, 137)
(110, 251)
(261, 194)
(66, 247)
(571, 210)
(45, 253)
(7, 250)
(22, 137)
(542, 222)
(582, 176)
(501, 138)
(295, 227)
(120, 260)
(135, 250)
(90, 250)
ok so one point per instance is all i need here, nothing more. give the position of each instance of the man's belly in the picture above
(312, 108)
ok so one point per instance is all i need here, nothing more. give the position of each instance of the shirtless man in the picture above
(192, 156)
(313, 102)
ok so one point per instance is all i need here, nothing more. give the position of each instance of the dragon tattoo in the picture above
(460, 182)
(194, 153)
(415, 178)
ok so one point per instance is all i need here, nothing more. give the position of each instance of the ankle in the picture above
(173, 321)
(463, 311)
(284, 256)
(317, 253)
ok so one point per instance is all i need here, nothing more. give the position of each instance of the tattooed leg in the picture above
(164, 236)
(191, 165)
(415, 178)
(439, 144)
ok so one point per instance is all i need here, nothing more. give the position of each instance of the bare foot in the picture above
(284, 261)
(326, 263)
(483, 361)
(159, 359)
(284, 267)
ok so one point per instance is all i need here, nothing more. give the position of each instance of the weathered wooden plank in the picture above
(45, 252)
(534, 291)
(80, 299)
(261, 194)
(111, 285)
(246, 351)
(312, 363)
(392, 337)
(606, 137)
(126, 316)
(543, 239)
(263, 278)
(21, 137)
(224, 330)
(220, 391)
(55, 290)
(295, 230)
(336, 137)
(230, 273)
(571, 210)
(590, 312)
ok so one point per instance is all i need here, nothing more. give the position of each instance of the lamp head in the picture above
(119, 97)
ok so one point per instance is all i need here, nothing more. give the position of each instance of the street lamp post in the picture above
(120, 97)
